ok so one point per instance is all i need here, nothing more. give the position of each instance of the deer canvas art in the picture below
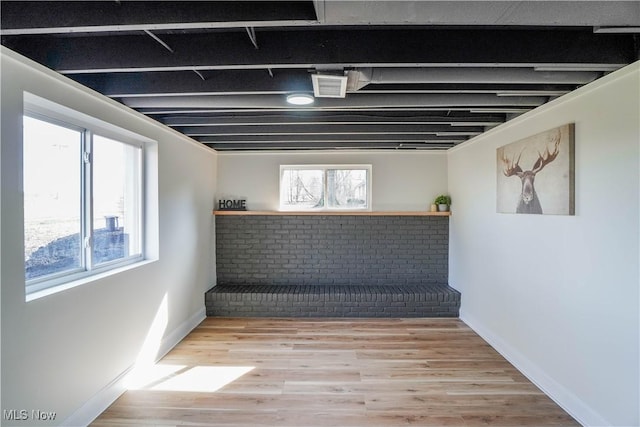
(536, 175)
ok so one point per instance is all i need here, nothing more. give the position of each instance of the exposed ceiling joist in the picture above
(469, 111)
(363, 138)
(328, 121)
(354, 101)
(309, 49)
(246, 82)
(334, 145)
(55, 17)
(319, 129)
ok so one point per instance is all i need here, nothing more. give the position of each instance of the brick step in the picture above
(421, 300)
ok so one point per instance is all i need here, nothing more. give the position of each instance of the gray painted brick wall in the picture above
(328, 250)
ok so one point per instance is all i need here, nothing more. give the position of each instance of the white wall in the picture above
(558, 295)
(402, 181)
(60, 352)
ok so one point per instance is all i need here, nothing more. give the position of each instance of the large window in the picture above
(83, 200)
(326, 187)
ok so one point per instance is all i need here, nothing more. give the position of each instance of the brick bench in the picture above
(422, 300)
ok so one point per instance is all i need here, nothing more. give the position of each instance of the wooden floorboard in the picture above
(349, 373)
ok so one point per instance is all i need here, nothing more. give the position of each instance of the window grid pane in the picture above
(347, 188)
(302, 189)
(116, 194)
(52, 208)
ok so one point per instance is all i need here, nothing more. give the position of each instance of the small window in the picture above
(327, 187)
(83, 201)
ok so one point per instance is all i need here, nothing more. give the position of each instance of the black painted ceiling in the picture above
(421, 74)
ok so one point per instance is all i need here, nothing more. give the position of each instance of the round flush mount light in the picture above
(300, 99)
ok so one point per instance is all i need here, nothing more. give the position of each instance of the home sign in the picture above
(232, 205)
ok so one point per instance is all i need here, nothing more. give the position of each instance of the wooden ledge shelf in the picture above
(334, 213)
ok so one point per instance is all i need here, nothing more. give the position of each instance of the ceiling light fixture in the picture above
(300, 99)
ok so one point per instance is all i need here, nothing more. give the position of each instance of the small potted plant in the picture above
(443, 201)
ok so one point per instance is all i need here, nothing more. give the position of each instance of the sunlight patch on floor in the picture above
(205, 379)
(143, 377)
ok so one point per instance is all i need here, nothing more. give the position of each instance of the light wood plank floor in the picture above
(373, 372)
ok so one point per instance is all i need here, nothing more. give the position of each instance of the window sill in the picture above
(335, 213)
(92, 278)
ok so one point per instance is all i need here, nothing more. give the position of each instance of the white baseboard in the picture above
(97, 404)
(180, 332)
(556, 391)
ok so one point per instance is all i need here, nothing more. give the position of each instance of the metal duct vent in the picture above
(325, 86)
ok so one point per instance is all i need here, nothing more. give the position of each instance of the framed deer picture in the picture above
(536, 174)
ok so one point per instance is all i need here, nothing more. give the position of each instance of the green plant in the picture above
(443, 199)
